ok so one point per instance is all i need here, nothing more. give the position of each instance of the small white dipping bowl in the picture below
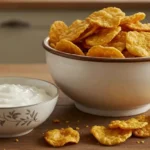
(18, 121)
(102, 86)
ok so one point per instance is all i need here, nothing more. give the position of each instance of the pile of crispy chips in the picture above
(104, 33)
(119, 131)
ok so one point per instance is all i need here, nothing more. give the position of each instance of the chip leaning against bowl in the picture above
(101, 29)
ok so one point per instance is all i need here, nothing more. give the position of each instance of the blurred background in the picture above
(25, 23)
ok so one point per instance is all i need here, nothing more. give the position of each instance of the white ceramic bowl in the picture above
(17, 121)
(102, 86)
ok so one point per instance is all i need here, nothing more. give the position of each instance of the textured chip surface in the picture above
(119, 41)
(85, 45)
(127, 54)
(133, 18)
(52, 45)
(56, 29)
(145, 131)
(74, 30)
(100, 51)
(109, 17)
(68, 47)
(129, 124)
(142, 118)
(61, 137)
(109, 28)
(108, 136)
(138, 26)
(103, 37)
(138, 43)
(89, 31)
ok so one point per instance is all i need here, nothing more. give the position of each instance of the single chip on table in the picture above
(75, 30)
(129, 124)
(103, 37)
(107, 136)
(138, 43)
(133, 18)
(60, 137)
(109, 17)
(68, 47)
(56, 29)
(138, 26)
(119, 41)
(145, 131)
(100, 51)
(142, 118)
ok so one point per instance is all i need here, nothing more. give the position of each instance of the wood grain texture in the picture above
(35, 140)
(64, 111)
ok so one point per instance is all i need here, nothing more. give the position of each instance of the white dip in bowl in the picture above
(12, 95)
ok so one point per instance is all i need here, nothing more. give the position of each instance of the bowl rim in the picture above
(17, 107)
(48, 48)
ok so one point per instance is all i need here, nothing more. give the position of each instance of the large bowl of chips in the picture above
(102, 62)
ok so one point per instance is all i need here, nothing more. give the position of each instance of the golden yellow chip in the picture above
(61, 137)
(129, 124)
(145, 131)
(74, 30)
(109, 17)
(142, 118)
(138, 43)
(85, 45)
(133, 18)
(138, 26)
(103, 37)
(68, 47)
(127, 54)
(119, 41)
(89, 31)
(76, 23)
(100, 51)
(56, 29)
(52, 45)
(108, 136)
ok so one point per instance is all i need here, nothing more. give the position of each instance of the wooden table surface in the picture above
(65, 111)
